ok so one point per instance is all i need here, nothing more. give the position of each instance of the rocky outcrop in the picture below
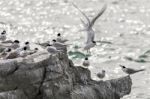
(45, 76)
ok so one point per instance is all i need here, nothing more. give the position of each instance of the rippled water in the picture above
(126, 24)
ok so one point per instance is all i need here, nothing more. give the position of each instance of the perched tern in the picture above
(130, 71)
(86, 62)
(101, 75)
(15, 44)
(11, 55)
(51, 49)
(24, 52)
(60, 46)
(7, 41)
(60, 38)
(5, 52)
(3, 36)
(27, 44)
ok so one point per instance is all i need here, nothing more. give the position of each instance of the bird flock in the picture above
(10, 49)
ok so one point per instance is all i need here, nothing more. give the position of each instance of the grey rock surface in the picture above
(45, 76)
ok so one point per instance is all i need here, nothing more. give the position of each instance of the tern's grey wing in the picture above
(97, 16)
(64, 40)
(52, 50)
(8, 41)
(131, 71)
(61, 40)
(57, 44)
(88, 20)
(12, 55)
(83, 22)
(13, 46)
(44, 44)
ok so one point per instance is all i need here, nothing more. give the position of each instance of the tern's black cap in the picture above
(93, 41)
(36, 49)
(86, 58)
(49, 45)
(4, 32)
(26, 43)
(58, 34)
(9, 50)
(122, 66)
(54, 40)
(16, 41)
(25, 48)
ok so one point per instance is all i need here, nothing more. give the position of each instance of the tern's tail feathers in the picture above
(140, 70)
(136, 71)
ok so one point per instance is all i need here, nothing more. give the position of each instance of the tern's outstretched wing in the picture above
(97, 16)
(88, 20)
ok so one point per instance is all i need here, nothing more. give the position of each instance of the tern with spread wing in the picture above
(89, 24)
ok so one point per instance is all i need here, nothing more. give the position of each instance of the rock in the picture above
(55, 77)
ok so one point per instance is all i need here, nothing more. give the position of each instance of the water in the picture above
(126, 24)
